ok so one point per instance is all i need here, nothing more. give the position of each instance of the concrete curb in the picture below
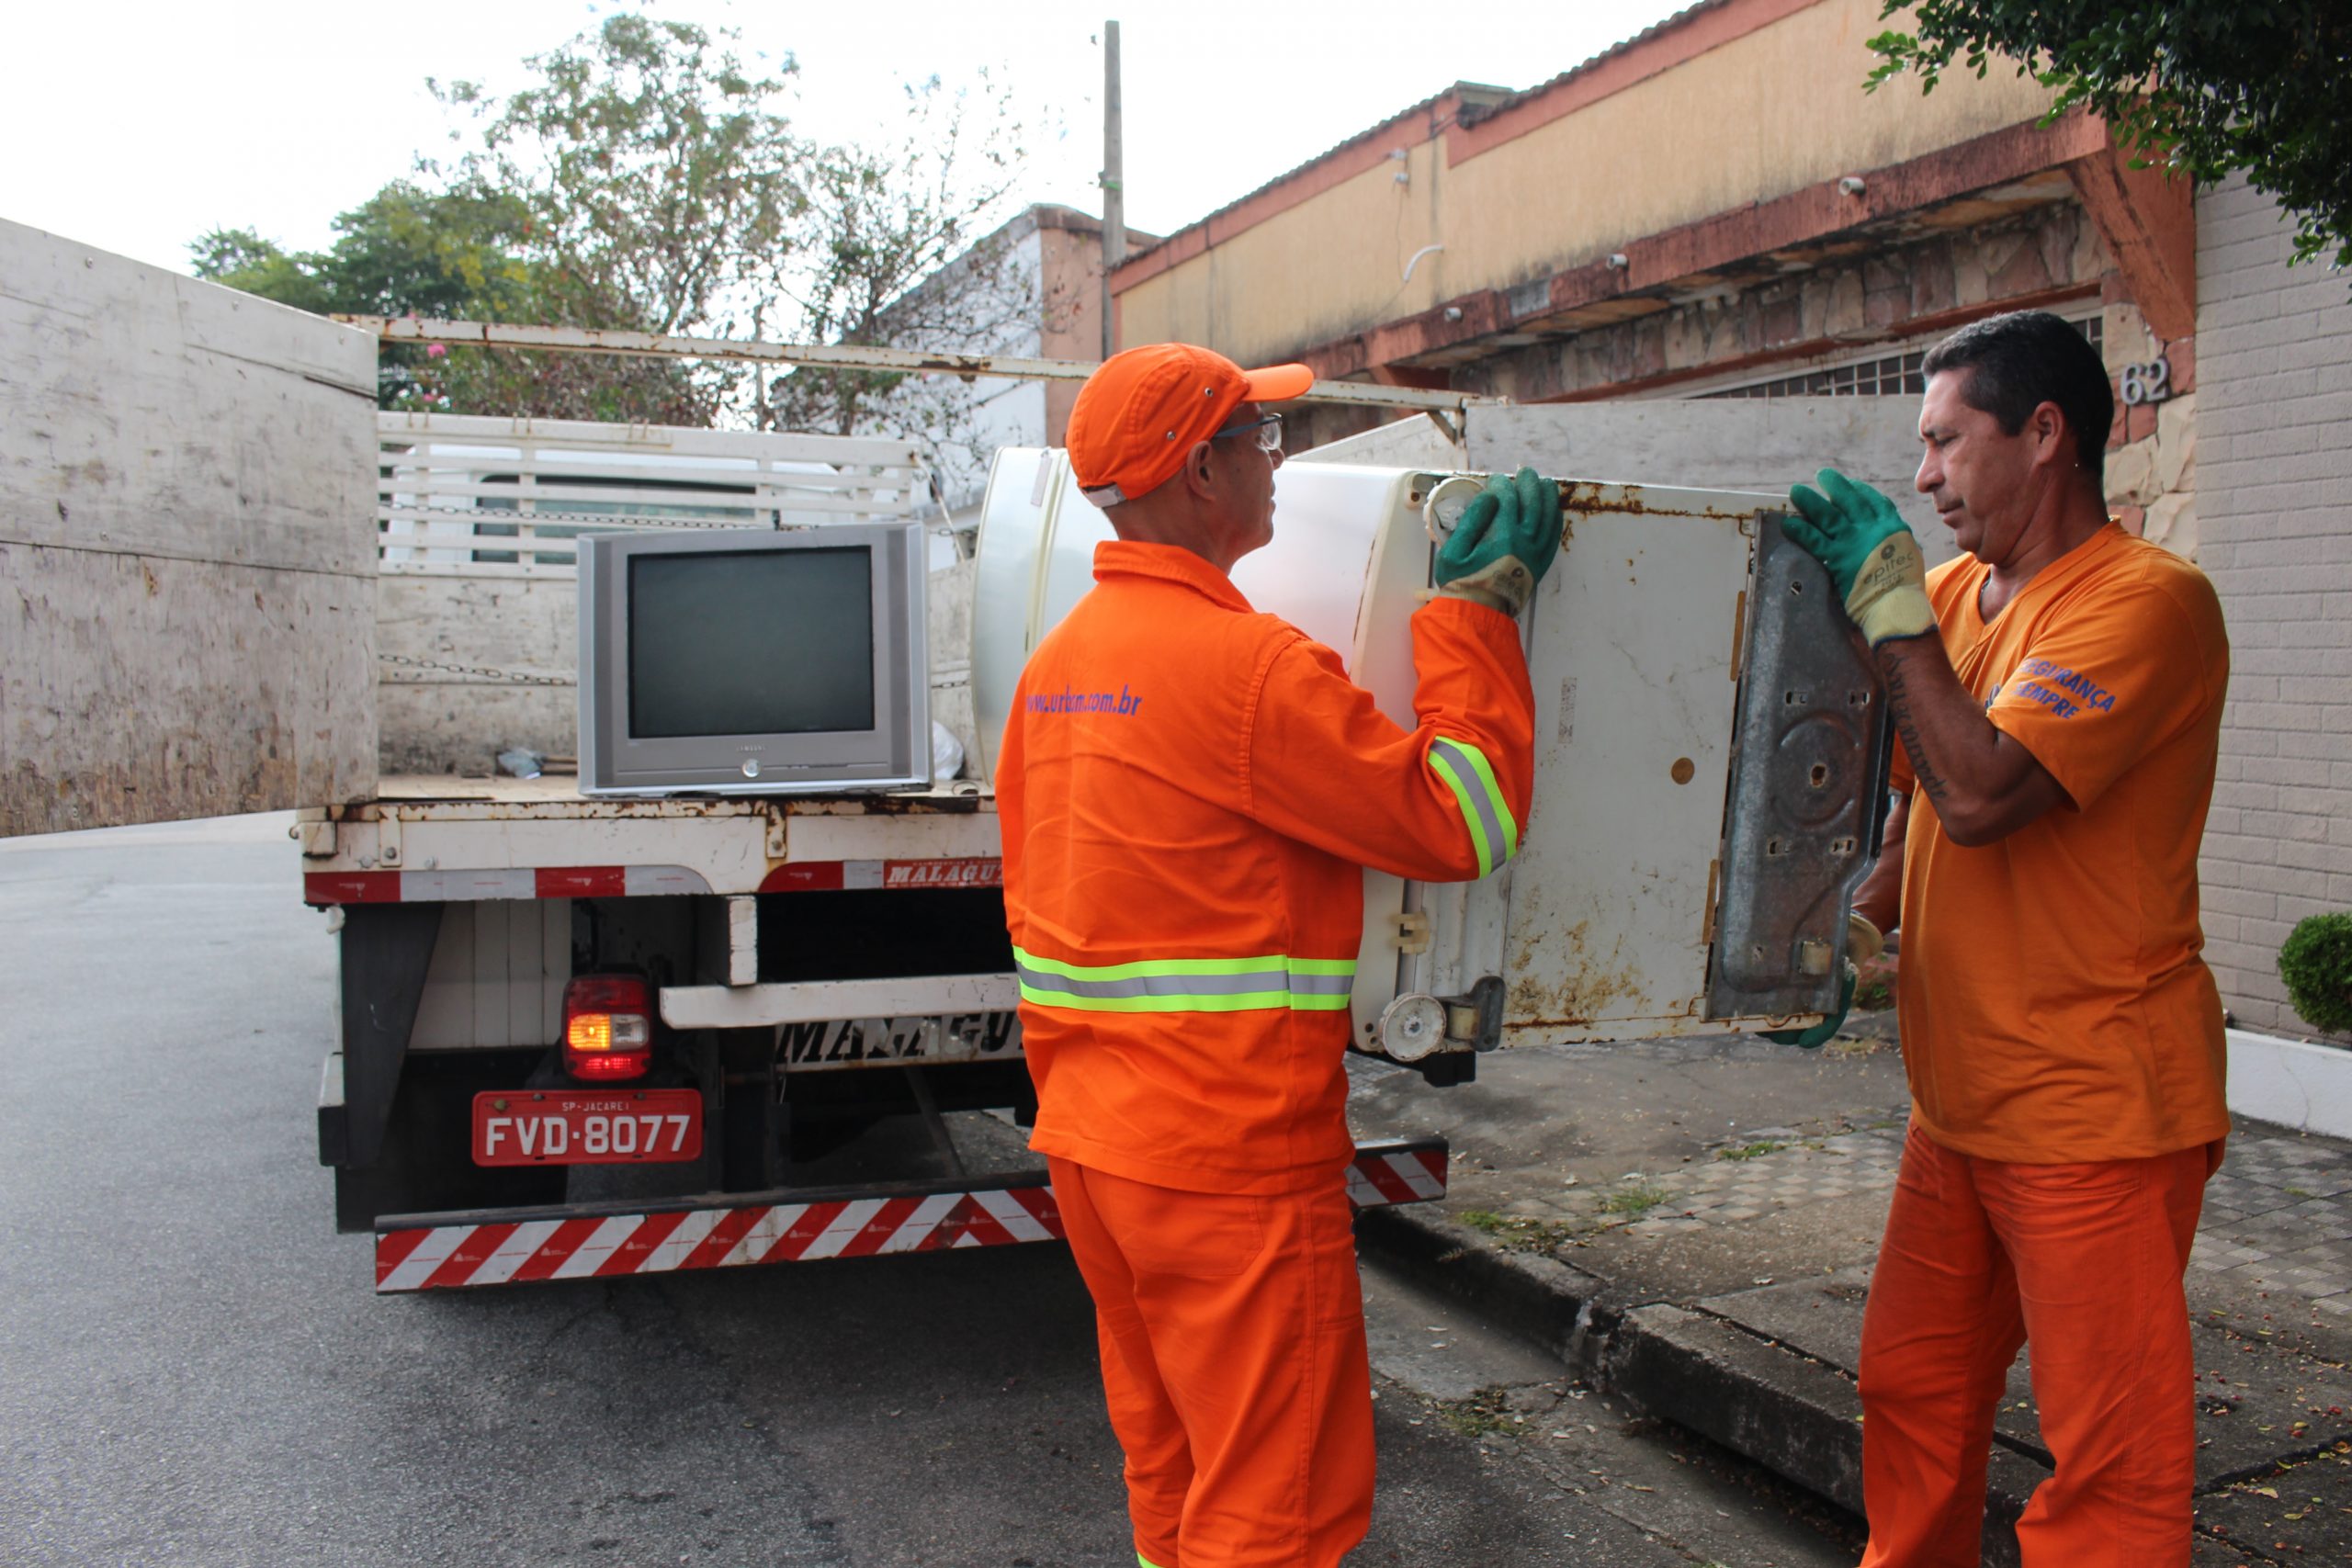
(1747, 1393)
(1790, 1413)
(1541, 1300)
(1793, 1414)
(2291, 1083)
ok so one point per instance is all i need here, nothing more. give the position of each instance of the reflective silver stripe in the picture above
(1158, 985)
(1324, 985)
(1493, 832)
(1188, 985)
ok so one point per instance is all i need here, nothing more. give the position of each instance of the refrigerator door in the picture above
(1709, 751)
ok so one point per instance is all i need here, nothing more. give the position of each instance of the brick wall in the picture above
(2274, 504)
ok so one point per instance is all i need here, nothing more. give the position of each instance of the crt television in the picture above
(753, 662)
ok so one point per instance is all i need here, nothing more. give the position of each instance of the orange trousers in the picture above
(1234, 1364)
(2084, 1263)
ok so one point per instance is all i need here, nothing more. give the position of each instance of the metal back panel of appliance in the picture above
(1807, 794)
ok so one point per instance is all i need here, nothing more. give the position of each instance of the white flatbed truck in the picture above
(242, 589)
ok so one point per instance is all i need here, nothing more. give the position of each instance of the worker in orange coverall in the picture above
(2057, 690)
(1189, 791)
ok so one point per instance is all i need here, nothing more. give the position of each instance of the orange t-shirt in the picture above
(2055, 1005)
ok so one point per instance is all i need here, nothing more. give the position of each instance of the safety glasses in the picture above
(1269, 431)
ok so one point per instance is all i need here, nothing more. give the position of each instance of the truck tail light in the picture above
(607, 1028)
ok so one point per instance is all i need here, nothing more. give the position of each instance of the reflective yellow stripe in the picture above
(1494, 833)
(1188, 985)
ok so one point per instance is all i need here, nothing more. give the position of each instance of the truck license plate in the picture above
(594, 1126)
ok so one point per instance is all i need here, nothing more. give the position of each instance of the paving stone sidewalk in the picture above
(1690, 1225)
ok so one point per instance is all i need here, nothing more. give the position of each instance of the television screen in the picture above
(750, 642)
(753, 661)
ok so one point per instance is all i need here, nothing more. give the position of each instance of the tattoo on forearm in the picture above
(1898, 702)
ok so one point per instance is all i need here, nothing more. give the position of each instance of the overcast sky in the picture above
(136, 127)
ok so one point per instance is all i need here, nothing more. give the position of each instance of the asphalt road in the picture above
(194, 1369)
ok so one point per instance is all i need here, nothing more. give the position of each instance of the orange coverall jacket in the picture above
(1189, 791)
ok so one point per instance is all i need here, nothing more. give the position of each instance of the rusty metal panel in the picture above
(483, 839)
(1632, 649)
(1685, 801)
(1807, 795)
(1602, 927)
(185, 529)
(839, 356)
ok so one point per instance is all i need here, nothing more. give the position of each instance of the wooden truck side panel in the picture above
(185, 529)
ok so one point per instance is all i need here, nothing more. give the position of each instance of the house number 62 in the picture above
(2149, 383)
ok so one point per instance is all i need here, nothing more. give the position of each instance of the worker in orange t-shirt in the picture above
(1188, 792)
(2057, 690)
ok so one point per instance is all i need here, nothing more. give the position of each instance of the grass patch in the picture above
(1873, 996)
(1516, 1233)
(1632, 1202)
(1752, 1151)
(1485, 1412)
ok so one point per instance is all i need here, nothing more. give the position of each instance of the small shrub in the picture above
(2317, 963)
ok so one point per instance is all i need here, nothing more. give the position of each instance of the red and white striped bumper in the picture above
(578, 1244)
(1403, 1171)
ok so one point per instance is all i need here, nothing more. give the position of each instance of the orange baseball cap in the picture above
(1136, 416)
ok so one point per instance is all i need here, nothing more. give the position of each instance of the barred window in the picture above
(1873, 377)
(1882, 375)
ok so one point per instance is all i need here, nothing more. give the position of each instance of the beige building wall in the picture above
(1756, 117)
(2274, 350)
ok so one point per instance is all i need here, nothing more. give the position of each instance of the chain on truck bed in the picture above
(510, 677)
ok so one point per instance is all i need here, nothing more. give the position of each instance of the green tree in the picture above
(899, 248)
(647, 180)
(243, 259)
(405, 251)
(636, 183)
(2209, 88)
(663, 179)
(662, 175)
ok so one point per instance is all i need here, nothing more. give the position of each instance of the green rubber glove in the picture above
(1873, 561)
(1821, 1034)
(1506, 541)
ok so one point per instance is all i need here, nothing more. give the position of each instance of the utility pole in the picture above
(1115, 196)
